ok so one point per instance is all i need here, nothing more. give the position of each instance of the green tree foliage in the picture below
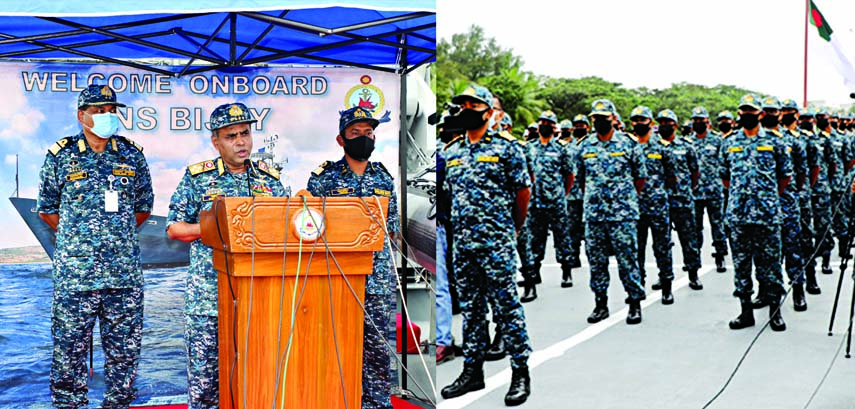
(473, 57)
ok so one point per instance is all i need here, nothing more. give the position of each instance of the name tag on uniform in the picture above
(654, 156)
(453, 162)
(76, 176)
(341, 192)
(381, 192)
(837, 143)
(111, 201)
(124, 172)
(613, 154)
(589, 155)
(735, 149)
(710, 147)
(679, 152)
(488, 159)
(553, 154)
(765, 148)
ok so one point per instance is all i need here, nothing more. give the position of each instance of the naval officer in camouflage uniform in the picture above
(576, 228)
(553, 176)
(488, 182)
(94, 190)
(612, 173)
(653, 202)
(839, 182)
(354, 176)
(756, 169)
(231, 136)
(819, 144)
(708, 194)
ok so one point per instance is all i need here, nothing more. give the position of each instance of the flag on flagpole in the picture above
(839, 59)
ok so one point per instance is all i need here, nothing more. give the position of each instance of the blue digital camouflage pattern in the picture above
(839, 184)
(95, 249)
(619, 238)
(709, 162)
(575, 191)
(791, 236)
(337, 180)
(819, 146)
(684, 221)
(376, 360)
(96, 95)
(356, 114)
(653, 204)
(230, 114)
(201, 184)
(684, 162)
(840, 148)
(548, 204)
(483, 179)
(754, 165)
(120, 317)
(524, 235)
(660, 229)
(609, 171)
(576, 230)
(760, 245)
(203, 371)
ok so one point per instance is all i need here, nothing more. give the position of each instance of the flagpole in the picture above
(807, 16)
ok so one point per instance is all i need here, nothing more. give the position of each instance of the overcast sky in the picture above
(754, 44)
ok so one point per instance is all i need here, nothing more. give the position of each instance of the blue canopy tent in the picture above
(194, 37)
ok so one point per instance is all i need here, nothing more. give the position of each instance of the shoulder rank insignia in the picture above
(456, 139)
(507, 136)
(132, 143)
(776, 133)
(579, 142)
(59, 145)
(806, 132)
(322, 168)
(563, 142)
(264, 167)
(202, 167)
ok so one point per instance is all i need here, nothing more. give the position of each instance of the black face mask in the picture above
(666, 130)
(788, 119)
(579, 132)
(545, 130)
(565, 134)
(471, 119)
(641, 129)
(769, 121)
(531, 135)
(822, 123)
(834, 124)
(699, 127)
(603, 126)
(445, 136)
(725, 127)
(851, 126)
(806, 125)
(749, 121)
(359, 148)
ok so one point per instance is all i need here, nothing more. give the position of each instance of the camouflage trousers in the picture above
(203, 369)
(806, 232)
(714, 212)
(621, 238)
(821, 208)
(120, 315)
(684, 222)
(791, 232)
(759, 245)
(840, 223)
(524, 246)
(376, 361)
(484, 274)
(576, 229)
(660, 227)
(550, 218)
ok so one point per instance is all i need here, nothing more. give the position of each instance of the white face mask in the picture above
(104, 125)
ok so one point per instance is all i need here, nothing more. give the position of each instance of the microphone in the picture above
(247, 164)
(852, 95)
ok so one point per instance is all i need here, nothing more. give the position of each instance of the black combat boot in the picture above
(811, 286)
(471, 379)
(657, 285)
(694, 281)
(667, 295)
(776, 321)
(826, 269)
(566, 275)
(799, 303)
(496, 351)
(530, 271)
(719, 263)
(634, 315)
(530, 293)
(520, 386)
(746, 317)
(760, 301)
(601, 310)
(843, 251)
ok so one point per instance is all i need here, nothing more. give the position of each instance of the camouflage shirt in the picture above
(819, 146)
(657, 160)
(552, 167)
(795, 149)
(572, 147)
(95, 249)
(684, 162)
(335, 179)
(201, 184)
(840, 147)
(754, 165)
(483, 179)
(609, 171)
(709, 162)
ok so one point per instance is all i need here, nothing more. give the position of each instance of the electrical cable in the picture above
(332, 307)
(827, 371)
(281, 298)
(251, 286)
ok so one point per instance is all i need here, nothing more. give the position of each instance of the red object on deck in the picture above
(412, 341)
(397, 403)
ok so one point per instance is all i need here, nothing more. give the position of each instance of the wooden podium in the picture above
(249, 264)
